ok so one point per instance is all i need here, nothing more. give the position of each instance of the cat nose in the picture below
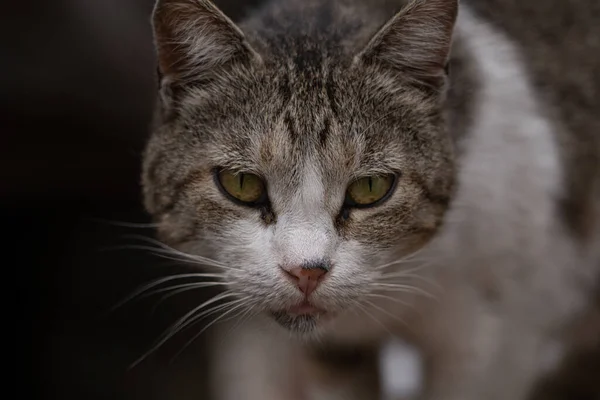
(307, 277)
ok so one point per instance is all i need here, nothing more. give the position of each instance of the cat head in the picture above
(300, 156)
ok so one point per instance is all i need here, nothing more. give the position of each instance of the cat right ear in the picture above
(415, 43)
(195, 39)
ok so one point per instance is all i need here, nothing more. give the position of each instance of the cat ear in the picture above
(194, 38)
(415, 42)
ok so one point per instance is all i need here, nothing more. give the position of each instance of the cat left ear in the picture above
(416, 42)
(194, 38)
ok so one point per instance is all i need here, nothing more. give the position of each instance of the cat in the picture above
(351, 170)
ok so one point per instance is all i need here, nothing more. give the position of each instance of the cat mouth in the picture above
(305, 308)
(301, 318)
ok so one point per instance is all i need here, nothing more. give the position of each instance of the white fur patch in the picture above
(305, 232)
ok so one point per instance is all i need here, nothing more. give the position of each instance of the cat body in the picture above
(486, 243)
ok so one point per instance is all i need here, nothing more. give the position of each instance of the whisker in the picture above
(404, 272)
(166, 256)
(171, 255)
(401, 274)
(190, 315)
(177, 326)
(410, 270)
(125, 224)
(390, 298)
(205, 313)
(387, 277)
(390, 287)
(372, 317)
(401, 287)
(406, 259)
(175, 292)
(172, 251)
(158, 282)
(382, 310)
(187, 286)
(244, 317)
(189, 342)
(243, 311)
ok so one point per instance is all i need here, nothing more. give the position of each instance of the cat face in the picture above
(301, 172)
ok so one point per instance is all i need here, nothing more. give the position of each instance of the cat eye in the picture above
(369, 191)
(248, 189)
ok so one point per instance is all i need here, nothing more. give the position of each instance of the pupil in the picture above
(242, 181)
(370, 184)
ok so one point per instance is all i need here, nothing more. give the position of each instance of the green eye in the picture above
(246, 188)
(369, 190)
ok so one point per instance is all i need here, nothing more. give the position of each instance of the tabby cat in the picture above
(354, 169)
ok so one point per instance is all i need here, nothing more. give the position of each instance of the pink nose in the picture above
(307, 279)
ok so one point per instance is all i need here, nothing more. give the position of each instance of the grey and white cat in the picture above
(354, 169)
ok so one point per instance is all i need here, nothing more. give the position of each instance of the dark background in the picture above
(77, 89)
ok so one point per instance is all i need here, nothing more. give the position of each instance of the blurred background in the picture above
(77, 88)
